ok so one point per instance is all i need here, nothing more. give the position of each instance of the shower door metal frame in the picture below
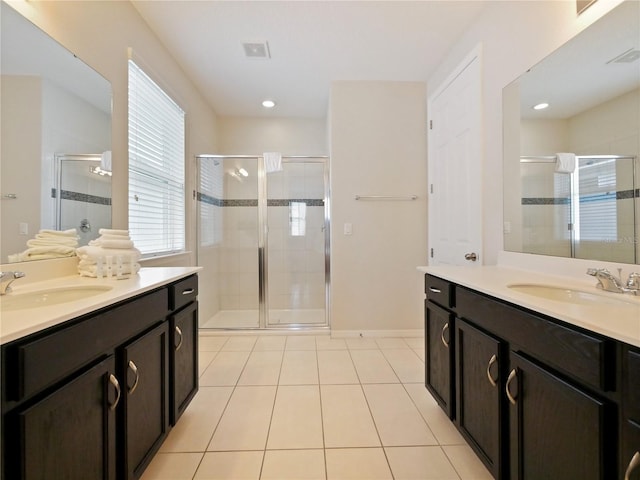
(263, 258)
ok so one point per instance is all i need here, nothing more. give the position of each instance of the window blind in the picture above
(598, 206)
(156, 167)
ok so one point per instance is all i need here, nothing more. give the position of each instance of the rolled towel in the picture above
(109, 231)
(565, 162)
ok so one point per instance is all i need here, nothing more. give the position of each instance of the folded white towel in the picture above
(565, 162)
(45, 252)
(52, 241)
(119, 244)
(105, 161)
(68, 233)
(272, 161)
(109, 231)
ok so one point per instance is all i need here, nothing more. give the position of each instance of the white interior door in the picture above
(455, 160)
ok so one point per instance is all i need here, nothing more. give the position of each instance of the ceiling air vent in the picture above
(256, 50)
(629, 56)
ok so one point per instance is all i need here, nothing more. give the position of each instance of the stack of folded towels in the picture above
(49, 244)
(110, 255)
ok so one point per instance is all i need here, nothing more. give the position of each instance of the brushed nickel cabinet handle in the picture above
(633, 464)
(134, 369)
(492, 361)
(435, 290)
(512, 375)
(179, 332)
(114, 381)
(188, 291)
(444, 329)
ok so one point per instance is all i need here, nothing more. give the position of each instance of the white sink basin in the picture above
(570, 295)
(52, 296)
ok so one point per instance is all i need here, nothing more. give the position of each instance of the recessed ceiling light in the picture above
(540, 106)
(268, 104)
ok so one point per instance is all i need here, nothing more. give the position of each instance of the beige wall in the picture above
(100, 33)
(514, 35)
(378, 147)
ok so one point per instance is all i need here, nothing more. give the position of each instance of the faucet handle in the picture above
(633, 282)
(593, 271)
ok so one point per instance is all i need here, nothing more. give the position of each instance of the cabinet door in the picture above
(439, 355)
(479, 393)
(631, 451)
(557, 431)
(145, 366)
(70, 433)
(184, 359)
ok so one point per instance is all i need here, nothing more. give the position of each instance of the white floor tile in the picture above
(361, 343)
(336, 367)
(325, 342)
(301, 342)
(239, 344)
(299, 367)
(245, 422)
(466, 463)
(425, 463)
(230, 465)
(415, 342)
(270, 342)
(438, 422)
(172, 466)
(372, 367)
(391, 343)
(406, 365)
(296, 420)
(396, 417)
(195, 427)
(204, 359)
(211, 343)
(293, 465)
(225, 369)
(346, 417)
(262, 368)
(357, 464)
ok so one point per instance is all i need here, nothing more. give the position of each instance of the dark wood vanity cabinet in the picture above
(184, 358)
(630, 451)
(92, 398)
(439, 343)
(540, 399)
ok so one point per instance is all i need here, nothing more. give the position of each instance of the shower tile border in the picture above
(81, 197)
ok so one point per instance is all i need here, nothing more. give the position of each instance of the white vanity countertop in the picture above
(15, 324)
(618, 322)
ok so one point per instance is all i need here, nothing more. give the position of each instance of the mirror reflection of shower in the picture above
(82, 194)
(590, 213)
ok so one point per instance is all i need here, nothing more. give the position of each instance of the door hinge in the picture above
(431, 188)
(430, 124)
(432, 253)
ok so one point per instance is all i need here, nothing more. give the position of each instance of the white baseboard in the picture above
(376, 333)
(333, 333)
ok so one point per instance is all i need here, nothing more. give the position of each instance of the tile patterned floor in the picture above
(312, 407)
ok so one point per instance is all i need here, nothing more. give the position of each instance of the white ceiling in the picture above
(312, 43)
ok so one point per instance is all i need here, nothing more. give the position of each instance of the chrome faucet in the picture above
(610, 283)
(6, 278)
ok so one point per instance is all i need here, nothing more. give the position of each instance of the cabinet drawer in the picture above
(34, 365)
(588, 358)
(438, 291)
(183, 292)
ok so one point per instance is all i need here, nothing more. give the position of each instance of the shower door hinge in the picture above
(194, 194)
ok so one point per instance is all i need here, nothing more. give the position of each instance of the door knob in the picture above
(471, 256)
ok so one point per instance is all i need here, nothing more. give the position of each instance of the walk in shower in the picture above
(263, 242)
(590, 213)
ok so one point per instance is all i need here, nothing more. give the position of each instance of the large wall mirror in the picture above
(592, 88)
(55, 142)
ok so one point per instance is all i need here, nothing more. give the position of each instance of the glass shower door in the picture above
(228, 241)
(296, 245)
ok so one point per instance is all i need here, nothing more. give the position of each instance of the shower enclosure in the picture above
(263, 240)
(590, 213)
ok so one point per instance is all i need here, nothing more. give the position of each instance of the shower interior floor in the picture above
(277, 318)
